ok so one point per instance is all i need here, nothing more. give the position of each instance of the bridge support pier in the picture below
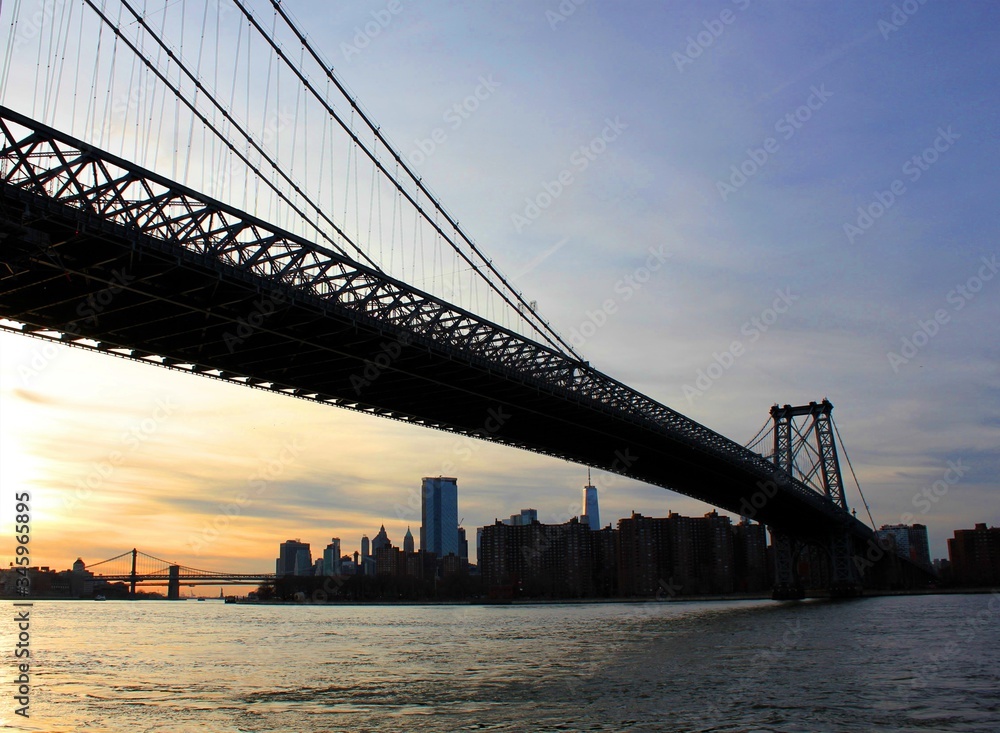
(787, 586)
(174, 583)
(844, 579)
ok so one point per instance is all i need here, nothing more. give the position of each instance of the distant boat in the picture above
(100, 598)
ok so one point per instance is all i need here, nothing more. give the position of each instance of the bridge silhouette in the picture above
(138, 568)
(103, 254)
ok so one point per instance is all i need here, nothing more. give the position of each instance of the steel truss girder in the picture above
(157, 212)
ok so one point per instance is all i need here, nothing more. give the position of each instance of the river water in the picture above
(925, 663)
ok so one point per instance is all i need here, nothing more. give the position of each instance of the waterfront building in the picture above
(644, 555)
(675, 555)
(920, 546)
(604, 561)
(751, 569)
(539, 560)
(81, 582)
(975, 556)
(909, 541)
(439, 516)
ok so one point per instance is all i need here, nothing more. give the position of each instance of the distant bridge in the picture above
(138, 568)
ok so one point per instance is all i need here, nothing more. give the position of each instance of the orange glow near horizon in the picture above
(119, 455)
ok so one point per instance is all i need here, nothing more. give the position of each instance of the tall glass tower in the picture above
(439, 516)
(294, 558)
(591, 513)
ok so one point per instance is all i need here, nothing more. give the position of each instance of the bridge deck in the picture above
(76, 267)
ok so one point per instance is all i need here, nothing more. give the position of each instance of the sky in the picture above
(725, 205)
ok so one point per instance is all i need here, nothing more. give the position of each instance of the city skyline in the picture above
(689, 268)
(975, 557)
(900, 537)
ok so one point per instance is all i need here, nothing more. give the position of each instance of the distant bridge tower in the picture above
(133, 576)
(804, 447)
(174, 583)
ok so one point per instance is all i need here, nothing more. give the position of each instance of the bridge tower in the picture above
(132, 575)
(804, 447)
(174, 583)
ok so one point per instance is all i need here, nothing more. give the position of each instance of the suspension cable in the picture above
(849, 465)
(204, 120)
(546, 330)
(760, 432)
(525, 309)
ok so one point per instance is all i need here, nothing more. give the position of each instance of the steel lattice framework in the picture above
(60, 195)
(809, 452)
(791, 440)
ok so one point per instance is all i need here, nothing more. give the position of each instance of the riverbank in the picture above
(810, 595)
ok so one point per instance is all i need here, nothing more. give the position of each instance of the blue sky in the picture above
(826, 159)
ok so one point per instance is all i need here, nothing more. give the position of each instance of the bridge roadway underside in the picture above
(74, 272)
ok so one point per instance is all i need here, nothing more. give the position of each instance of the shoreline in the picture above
(810, 595)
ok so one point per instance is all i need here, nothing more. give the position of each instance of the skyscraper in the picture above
(381, 540)
(554, 560)
(303, 561)
(975, 555)
(331, 557)
(591, 513)
(367, 561)
(439, 516)
(294, 558)
(408, 542)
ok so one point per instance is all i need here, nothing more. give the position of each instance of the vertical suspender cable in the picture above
(543, 328)
(243, 157)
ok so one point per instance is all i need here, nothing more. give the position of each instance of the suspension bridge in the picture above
(138, 568)
(104, 253)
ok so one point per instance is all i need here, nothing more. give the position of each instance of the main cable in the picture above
(849, 465)
(525, 306)
(204, 120)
